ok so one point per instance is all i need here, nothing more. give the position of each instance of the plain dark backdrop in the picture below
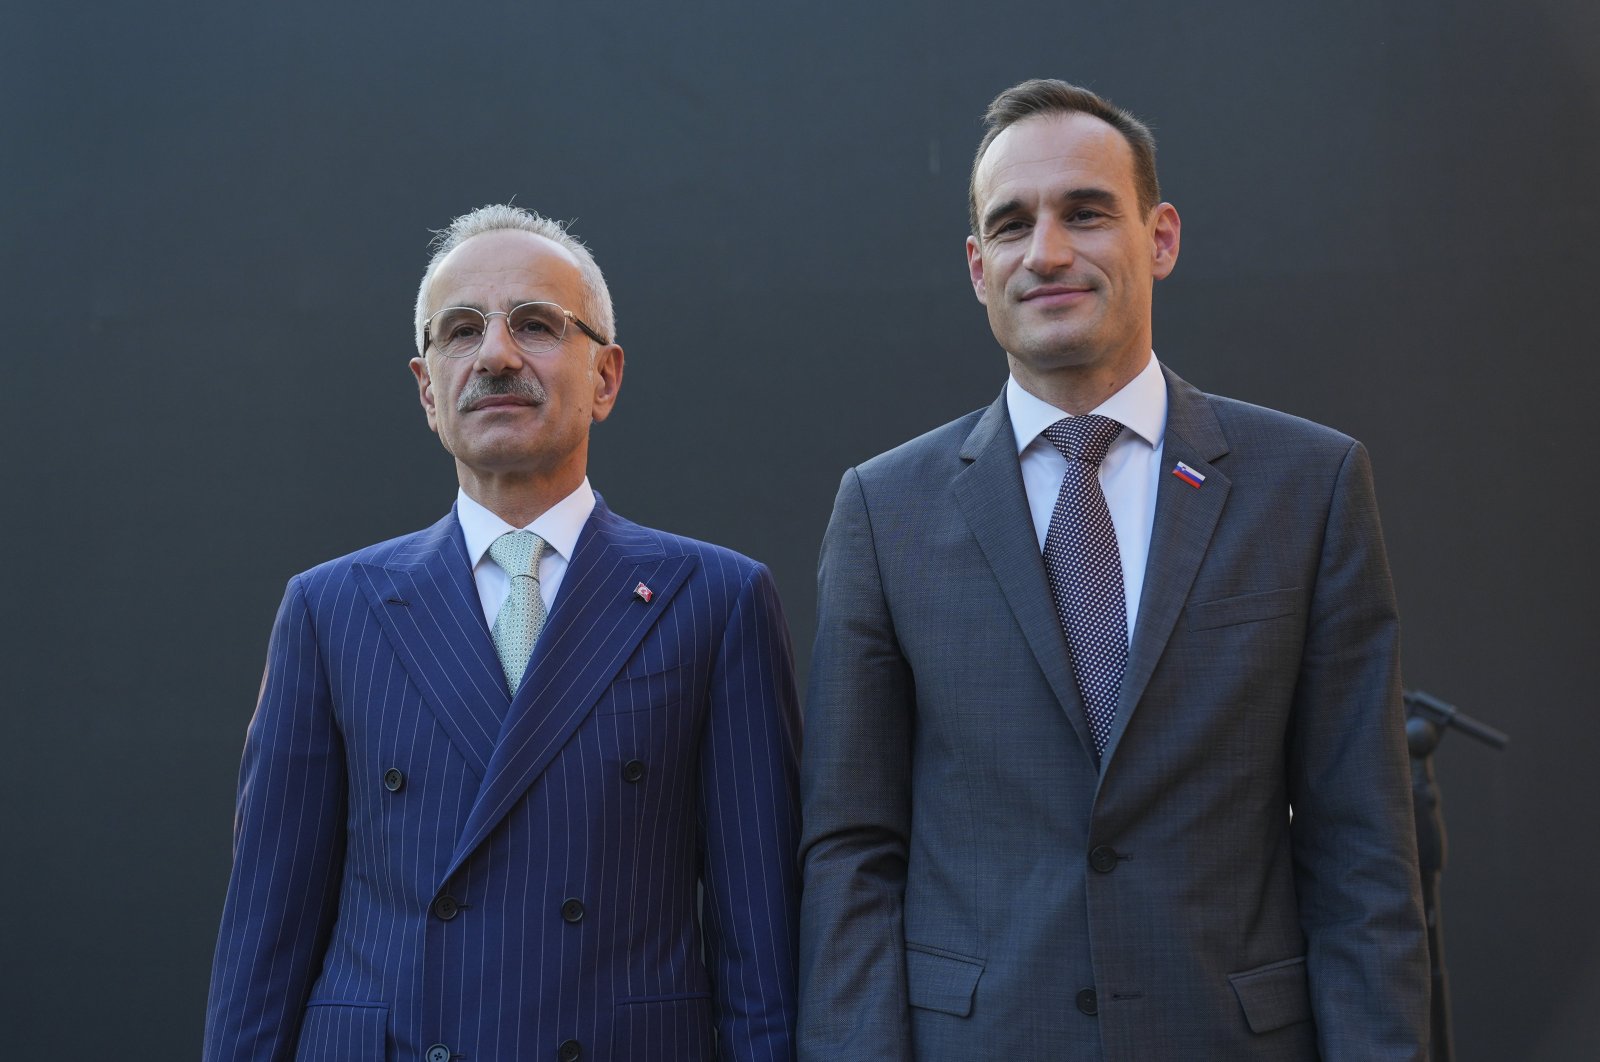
(215, 216)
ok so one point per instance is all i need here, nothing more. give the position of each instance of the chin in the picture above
(1056, 353)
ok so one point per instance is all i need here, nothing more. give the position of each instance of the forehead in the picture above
(1053, 153)
(505, 267)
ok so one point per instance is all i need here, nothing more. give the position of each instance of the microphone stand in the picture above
(1427, 719)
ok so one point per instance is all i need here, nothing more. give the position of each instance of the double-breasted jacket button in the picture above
(446, 907)
(633, 771)
(438, 1053)
(1088, 1003)
(1103, 858)
(572, 911)
(394, 779)
(569, 1051)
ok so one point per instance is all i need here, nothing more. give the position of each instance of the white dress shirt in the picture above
(1128, 475)
(558, 525)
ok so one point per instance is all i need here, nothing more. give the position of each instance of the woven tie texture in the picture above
(522, 616)
(1085, 569)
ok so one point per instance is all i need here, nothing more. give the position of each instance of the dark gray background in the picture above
(215, 217)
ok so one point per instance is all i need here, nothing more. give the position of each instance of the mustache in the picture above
(481, 387)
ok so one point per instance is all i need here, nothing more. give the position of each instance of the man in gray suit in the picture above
(1104, 748)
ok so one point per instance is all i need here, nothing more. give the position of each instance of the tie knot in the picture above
(1085, 438)
(517, 552)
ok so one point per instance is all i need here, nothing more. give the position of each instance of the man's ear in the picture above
(975, 268)
(607, 372)
(1164, 233)
(419, 369)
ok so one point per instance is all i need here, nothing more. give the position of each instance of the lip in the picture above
(498, 402)
(1054, 293)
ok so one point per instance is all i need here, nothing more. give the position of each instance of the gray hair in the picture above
(496, 216)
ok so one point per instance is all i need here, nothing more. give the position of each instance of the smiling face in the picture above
(1064, 259)
(513, 420)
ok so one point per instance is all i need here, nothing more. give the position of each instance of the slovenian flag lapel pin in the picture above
(1188, 475)
(643, 593)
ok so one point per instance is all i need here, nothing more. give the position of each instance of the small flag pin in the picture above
(643, 593)
(1188, 475)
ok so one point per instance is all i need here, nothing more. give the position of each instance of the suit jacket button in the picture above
(394, 780)
(1103, 858)
(569, 1051)
(438, 1053)
(572, 911)
(1087, 1003)
(633, 770)
(446, 907)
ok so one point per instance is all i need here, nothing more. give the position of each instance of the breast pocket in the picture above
(646, 689)
(1245, 608)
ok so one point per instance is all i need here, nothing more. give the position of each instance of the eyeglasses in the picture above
(536, 327)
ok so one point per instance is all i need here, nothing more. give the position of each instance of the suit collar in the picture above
(1185, 521)
(424, 597)
(990, 494)
(1189, 414)
(995, 421)
(991, 497)
(596, 625)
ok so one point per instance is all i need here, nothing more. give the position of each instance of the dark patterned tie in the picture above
(1085, 567)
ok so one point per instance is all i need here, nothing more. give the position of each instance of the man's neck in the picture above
(1079, 389)
(519, 500)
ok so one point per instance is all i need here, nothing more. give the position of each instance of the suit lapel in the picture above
(428, 604)
(597, 623)
(990, 493)
(1185, 520)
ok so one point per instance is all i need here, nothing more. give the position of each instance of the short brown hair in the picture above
(1044, 95)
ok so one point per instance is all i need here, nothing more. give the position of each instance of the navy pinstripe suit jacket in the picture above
(427, 868)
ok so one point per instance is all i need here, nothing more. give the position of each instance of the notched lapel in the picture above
(428, 606)
(597, 623)
(992, 499)
(1185, 521)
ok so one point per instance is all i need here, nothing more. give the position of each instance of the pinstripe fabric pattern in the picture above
(651, 747)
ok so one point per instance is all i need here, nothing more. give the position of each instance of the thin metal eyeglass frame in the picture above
(427, 329)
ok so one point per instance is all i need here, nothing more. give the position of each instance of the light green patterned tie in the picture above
(521, 618)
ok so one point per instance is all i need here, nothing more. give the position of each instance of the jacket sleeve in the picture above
(749, 823)
(1353, 833)
(288, 852)
(856, 795)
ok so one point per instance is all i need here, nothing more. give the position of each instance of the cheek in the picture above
(576, 386)
(1002, 269)
(445, 389)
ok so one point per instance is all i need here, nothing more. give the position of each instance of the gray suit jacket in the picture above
(976, 888)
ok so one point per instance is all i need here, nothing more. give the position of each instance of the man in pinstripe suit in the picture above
(442, 853)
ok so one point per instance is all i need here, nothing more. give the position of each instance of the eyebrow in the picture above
(1098, 196)
(1073, 197)
(509, 304)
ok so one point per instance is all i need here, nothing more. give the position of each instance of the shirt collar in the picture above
(1141, 406)
(558, 525)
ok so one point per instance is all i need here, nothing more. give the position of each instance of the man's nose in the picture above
(498, 352)
(1049, 248)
